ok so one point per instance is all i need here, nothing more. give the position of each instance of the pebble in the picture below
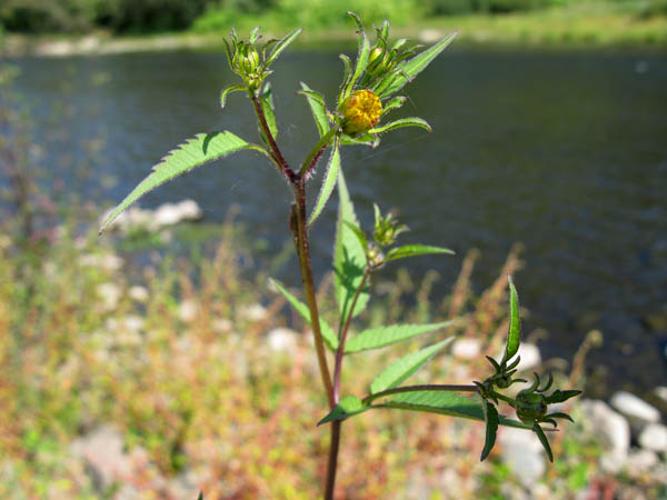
(613, 431)
(523, 453)
(466, 348)
(654, 437)
(282, 340)
(633, 407)
(139, 294)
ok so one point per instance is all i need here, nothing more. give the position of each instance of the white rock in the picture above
(138, 294)
(102, 449)
(187, 311)
(107, 262)
(654, 437)
(661, 392)
(634, 407)
(530, 356)
(221, 325)
(641, 461)
(131, 323)
(109, 294)
(523, 453)
(429, 35)
(466, 348)
(254, 312)
(170, 214)
(282, 340)
(612, 430)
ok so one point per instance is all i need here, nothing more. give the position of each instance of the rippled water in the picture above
(564, 152)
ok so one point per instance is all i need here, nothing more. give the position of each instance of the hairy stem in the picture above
(303, 250)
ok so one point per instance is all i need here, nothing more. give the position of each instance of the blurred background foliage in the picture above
(146, 16)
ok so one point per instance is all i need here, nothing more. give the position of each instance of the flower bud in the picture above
(530, 406)
(361, 112)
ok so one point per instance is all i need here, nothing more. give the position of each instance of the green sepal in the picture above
(559, 396)
(317, 107)
(492, 420)
(406, 251)
(330, 337)
(401, 123)
(281, 45)
(543, 439)
(228, 90)
(266, 100)
(328, 183)
(514, 331)
(346, 408)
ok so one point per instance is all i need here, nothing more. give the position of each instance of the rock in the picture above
(612, 430)
(282, 340)
(109, 294)
(102, 451)
(654, 437)
(523, 453)
(633, 407)
(187, 311)
(254, 312)
(138, 294)
(429, 35)
(171, 214)
(221, 325)
(107, 262)
(530, 356)
(661, 392)
(640, 462)
(466, 348)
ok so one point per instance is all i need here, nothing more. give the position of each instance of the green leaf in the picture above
(317, 107)
(197, 151)
(347, 407)
(405, 251)
(362, 140)
(559, 396)
(266, 99)
(491, 417)
(281, 45)
(349, 256)
(514, 333)
(401, 123)
(409, 69)
(330, 337)
(375, 338)
(393, 103)
(328, 183)
(445, 403)
(405, 367)
(361, 236)
(228, 90)
(543, 439)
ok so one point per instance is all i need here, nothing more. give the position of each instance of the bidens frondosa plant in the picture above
(368, 93)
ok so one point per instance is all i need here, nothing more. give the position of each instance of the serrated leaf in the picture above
(228, 90)
(328, 183)
(543, 439)
(317, 107)
(197, 151)
(445, 403)
(405, 251)
(492, 420)
(401, 123)
(514, 333)
(361, 236)
(281, 45)
(266, 100)
(376, 338)
(405, 367)
(347, 407)
(349, 256)
(330, 337)
(409, 69)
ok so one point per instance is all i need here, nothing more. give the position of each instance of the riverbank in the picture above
(563, 28)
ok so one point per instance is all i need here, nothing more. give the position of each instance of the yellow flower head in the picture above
(361, 111)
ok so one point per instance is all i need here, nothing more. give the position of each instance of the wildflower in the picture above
(361, 112)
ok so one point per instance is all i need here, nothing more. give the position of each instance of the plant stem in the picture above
(303, 251)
